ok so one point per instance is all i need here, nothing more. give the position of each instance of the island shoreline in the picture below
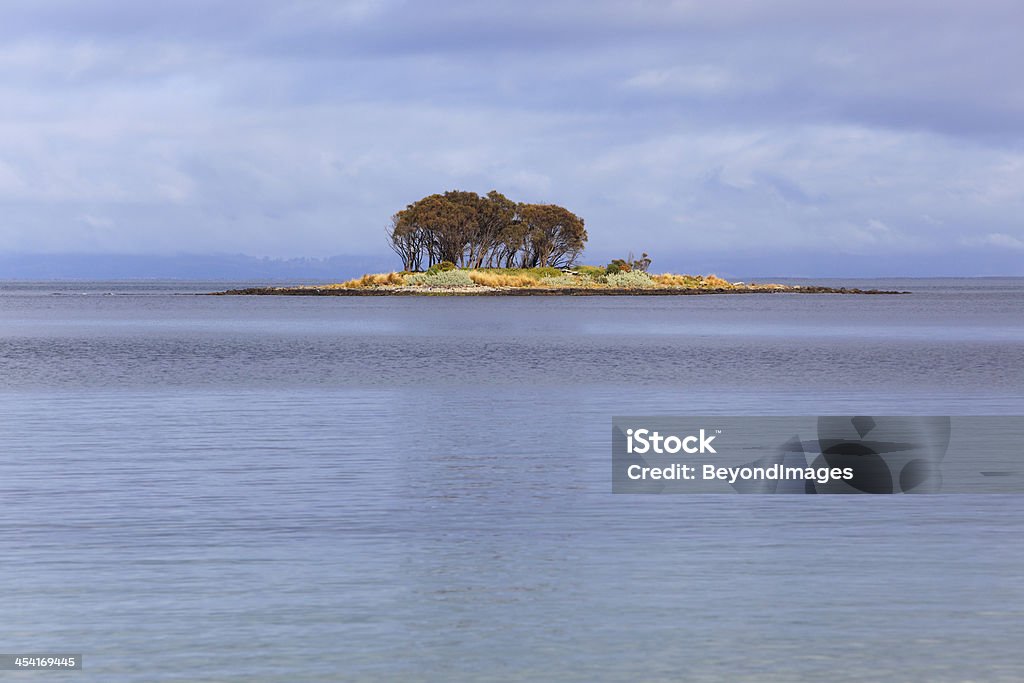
(541, 291)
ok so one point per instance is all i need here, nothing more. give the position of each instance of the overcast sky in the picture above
(730, 127)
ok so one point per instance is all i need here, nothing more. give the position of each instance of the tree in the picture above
(496, 214)
(555, 235)
(406, 242)
(642, 263)
(489, 217)
(511, 242)
(434, 228)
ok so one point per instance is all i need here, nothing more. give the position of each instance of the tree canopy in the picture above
(489, 231)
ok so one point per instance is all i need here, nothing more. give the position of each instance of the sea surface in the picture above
(289, 489)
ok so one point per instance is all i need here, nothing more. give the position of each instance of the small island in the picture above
(464, 244)
(579, 281)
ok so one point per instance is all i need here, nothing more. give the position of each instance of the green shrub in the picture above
(618, 266)
(629, 280)
(442, 278)
(442, 267)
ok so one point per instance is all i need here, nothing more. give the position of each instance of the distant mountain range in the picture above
(187, 267)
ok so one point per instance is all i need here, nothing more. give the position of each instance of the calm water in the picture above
(320, 489)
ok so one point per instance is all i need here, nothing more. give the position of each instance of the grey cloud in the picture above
(297, 128)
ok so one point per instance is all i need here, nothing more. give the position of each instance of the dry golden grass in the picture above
(692, 281)
(715, 281)
(371, 280)
(673, 280)
(482, 277)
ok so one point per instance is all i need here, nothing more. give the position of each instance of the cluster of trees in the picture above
(489, 231)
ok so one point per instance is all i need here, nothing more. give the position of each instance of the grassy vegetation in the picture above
(567, 280)
(691, 281)
(441, 278)
(587, 277)
(593, 272)
(532, 273)
(490, 278)
(633, 279)
(379, 279)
